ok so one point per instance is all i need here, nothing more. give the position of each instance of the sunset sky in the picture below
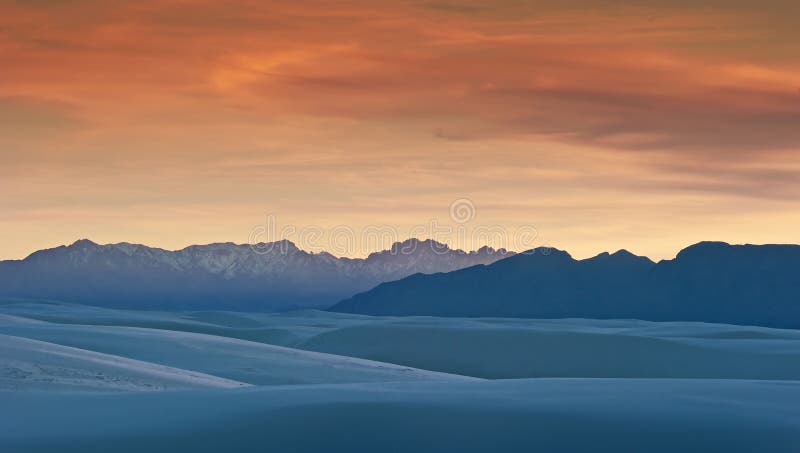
(647, 125)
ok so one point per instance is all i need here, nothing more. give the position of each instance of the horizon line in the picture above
(382, 250)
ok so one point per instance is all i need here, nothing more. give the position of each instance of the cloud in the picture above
(25, 116)
(636, 76)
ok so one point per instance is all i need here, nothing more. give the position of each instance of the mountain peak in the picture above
(702, 249)
(548, 252)
(83, 243)
(621, 253)
(280, 247)
(486, 250)
(413, 245)
(621, 257)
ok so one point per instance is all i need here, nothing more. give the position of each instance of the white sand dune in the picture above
(72, 380)
(11, 320)
(488, 348)
(32, 364)
(580, 349)
(234, 359)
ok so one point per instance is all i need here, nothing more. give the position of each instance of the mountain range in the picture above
(708, 281)
(265, 276)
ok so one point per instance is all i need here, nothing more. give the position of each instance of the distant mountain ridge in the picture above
(708, 281)
(265, 276)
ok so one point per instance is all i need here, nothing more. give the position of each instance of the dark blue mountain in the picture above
(709, 282)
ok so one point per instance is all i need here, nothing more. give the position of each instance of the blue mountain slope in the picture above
(709, 281)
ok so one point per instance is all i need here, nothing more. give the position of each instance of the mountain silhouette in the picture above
(265, 276)
(708, 281)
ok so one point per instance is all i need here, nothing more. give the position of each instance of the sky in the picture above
(600, 125)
